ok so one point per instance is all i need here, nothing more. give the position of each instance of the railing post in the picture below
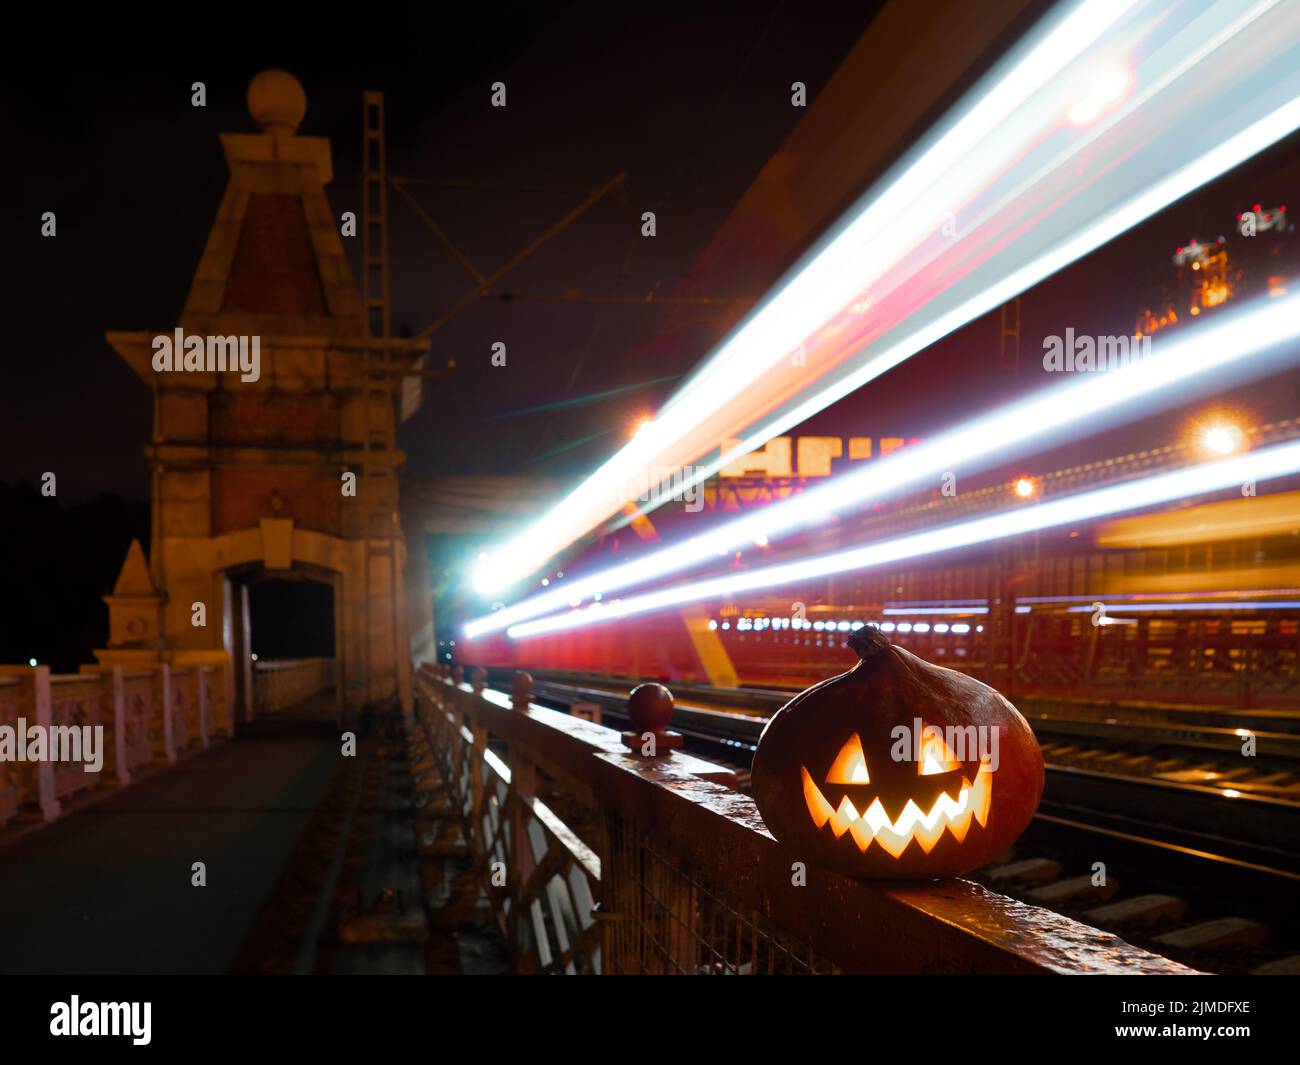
(475, 767)
(50, 806)
(119, 727)
(523, 787)
(249, 683)
(168, 698)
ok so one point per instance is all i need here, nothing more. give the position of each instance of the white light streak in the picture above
(1132, 495)
(1185, 80)
(1211, 346)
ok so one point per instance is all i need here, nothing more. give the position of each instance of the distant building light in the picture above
(1222, 438)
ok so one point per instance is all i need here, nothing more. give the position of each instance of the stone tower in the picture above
(291, 475)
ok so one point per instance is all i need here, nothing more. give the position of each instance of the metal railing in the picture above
(678, 874)
(539, 875)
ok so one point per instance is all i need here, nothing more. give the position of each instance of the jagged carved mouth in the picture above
(926, 828)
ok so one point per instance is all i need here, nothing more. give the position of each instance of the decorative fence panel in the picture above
(77, 703)
(540, 877)
(180, 709)
(142, 722)
(112, 721)
(11, 772)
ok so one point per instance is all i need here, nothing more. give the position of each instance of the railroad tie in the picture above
(1029, 869)
(1139, 910)
(1224, 932)
(1075, 889)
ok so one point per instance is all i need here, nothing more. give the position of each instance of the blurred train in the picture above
(1236, 649)
(1195, 604)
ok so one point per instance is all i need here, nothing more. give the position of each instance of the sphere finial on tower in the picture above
(276, 101)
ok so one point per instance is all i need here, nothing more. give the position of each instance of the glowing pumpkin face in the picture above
(897, 768)
(946, 799)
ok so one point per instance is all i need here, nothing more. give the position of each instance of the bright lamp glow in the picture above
(1210, 85)
(1221, 439)
(1132, 495)
(1227, 342)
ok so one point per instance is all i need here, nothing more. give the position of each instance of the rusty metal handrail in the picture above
(539, 876)
(692, 881)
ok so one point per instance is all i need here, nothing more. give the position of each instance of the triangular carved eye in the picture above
(849, 767)
(936, 755)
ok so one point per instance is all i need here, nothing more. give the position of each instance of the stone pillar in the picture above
(119, 726)
(50, 805)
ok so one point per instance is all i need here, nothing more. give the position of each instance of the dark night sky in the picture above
(690, 105)
(1099, 295)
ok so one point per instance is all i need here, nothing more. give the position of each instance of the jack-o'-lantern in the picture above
(897, 768)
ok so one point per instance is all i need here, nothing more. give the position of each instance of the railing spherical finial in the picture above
(458, 675)
(650, 709)
(521, 690)
(276, 101)
(478, 679)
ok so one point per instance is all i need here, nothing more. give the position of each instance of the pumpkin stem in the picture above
(868, 641)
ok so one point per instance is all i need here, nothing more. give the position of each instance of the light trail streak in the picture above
(1145, 492)
(1213, 84)
(1228, 342)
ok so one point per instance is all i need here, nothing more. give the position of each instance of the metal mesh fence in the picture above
(663, 918)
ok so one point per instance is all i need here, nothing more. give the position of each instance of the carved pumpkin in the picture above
(897, 768)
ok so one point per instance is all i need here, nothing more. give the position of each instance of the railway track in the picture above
(1152, 829)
